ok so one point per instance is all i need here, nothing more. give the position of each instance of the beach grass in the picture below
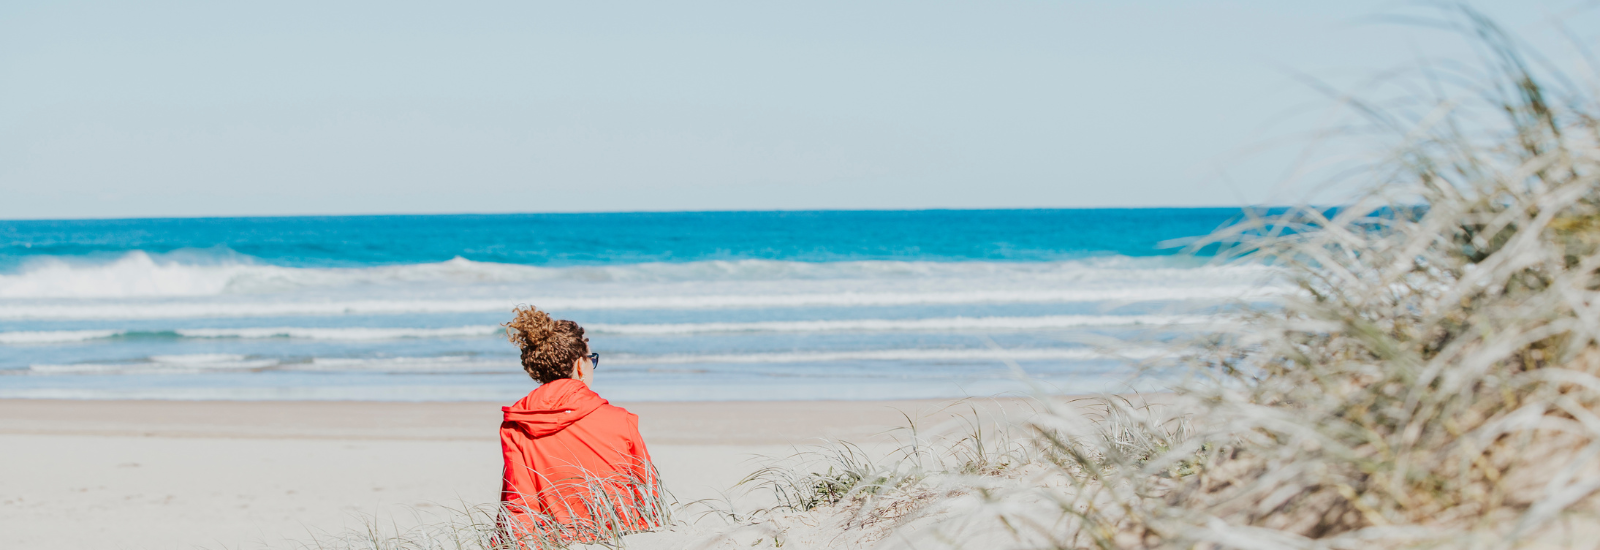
(1434, 383)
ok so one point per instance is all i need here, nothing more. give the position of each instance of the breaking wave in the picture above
(640, 329)
(164, 364)
(466, 364)
(183, 310)
(889, 325)
(141, 275)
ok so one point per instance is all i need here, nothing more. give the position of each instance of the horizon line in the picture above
(594, 212)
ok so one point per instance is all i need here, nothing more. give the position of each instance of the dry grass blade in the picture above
(1433, 383)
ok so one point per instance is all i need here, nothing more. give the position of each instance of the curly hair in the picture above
(549, 346)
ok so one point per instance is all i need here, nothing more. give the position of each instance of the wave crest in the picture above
(1001, 324)
(139, 274)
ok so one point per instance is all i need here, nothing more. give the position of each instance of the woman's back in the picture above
(576, 467)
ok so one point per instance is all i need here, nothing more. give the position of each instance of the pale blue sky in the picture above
(157, 108)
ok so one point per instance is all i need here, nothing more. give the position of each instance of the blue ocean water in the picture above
(681, 305)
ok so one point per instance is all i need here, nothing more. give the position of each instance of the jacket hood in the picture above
(552, 407)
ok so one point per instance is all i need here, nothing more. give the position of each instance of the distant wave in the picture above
(640, 329)
(56, 336)
(475, 364)
(241, 364)
(163, 364)
(180, 310)
(897, 355)
(352, 333)
(889, 325)
(139, 274)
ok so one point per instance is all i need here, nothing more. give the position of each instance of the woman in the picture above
(576, 469)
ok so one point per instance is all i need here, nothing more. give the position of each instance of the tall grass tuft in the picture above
(592, 510)
(838, 473)
(1435, 382)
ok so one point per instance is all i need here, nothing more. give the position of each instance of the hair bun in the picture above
(531, 329)
(549, 346)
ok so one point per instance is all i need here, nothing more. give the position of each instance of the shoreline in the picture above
(671, 422)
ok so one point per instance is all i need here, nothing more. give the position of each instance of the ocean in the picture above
(680, 305)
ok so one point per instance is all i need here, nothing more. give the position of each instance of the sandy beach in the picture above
(871, 276)
(235, 474)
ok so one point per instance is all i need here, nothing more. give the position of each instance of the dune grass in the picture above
(1434, 383)
(1437, 379)
(594, 510)
(835, 472)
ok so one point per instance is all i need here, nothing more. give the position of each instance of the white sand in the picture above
(164, 475)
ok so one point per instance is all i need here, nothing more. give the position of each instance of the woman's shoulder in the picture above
(614, 410)
(614, 420)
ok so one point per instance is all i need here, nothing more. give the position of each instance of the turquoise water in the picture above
(622, 238)
(726, 305)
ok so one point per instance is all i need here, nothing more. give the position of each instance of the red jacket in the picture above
(576, 468)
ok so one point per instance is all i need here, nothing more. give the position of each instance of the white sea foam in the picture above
(921, 355)
(134, 274)
(299, 333)
(890, 325)
(189, 309)
(225, 363)
(475, 364)
(240, 364)
(346, 333)
(440, 364)
(162, 364)
(656, 389)
(854, 296)
(138, 274)
(637, 329)
(54, 336)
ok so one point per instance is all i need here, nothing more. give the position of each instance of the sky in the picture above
(169, 108)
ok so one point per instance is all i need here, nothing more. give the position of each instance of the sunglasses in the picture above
(594, 360)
